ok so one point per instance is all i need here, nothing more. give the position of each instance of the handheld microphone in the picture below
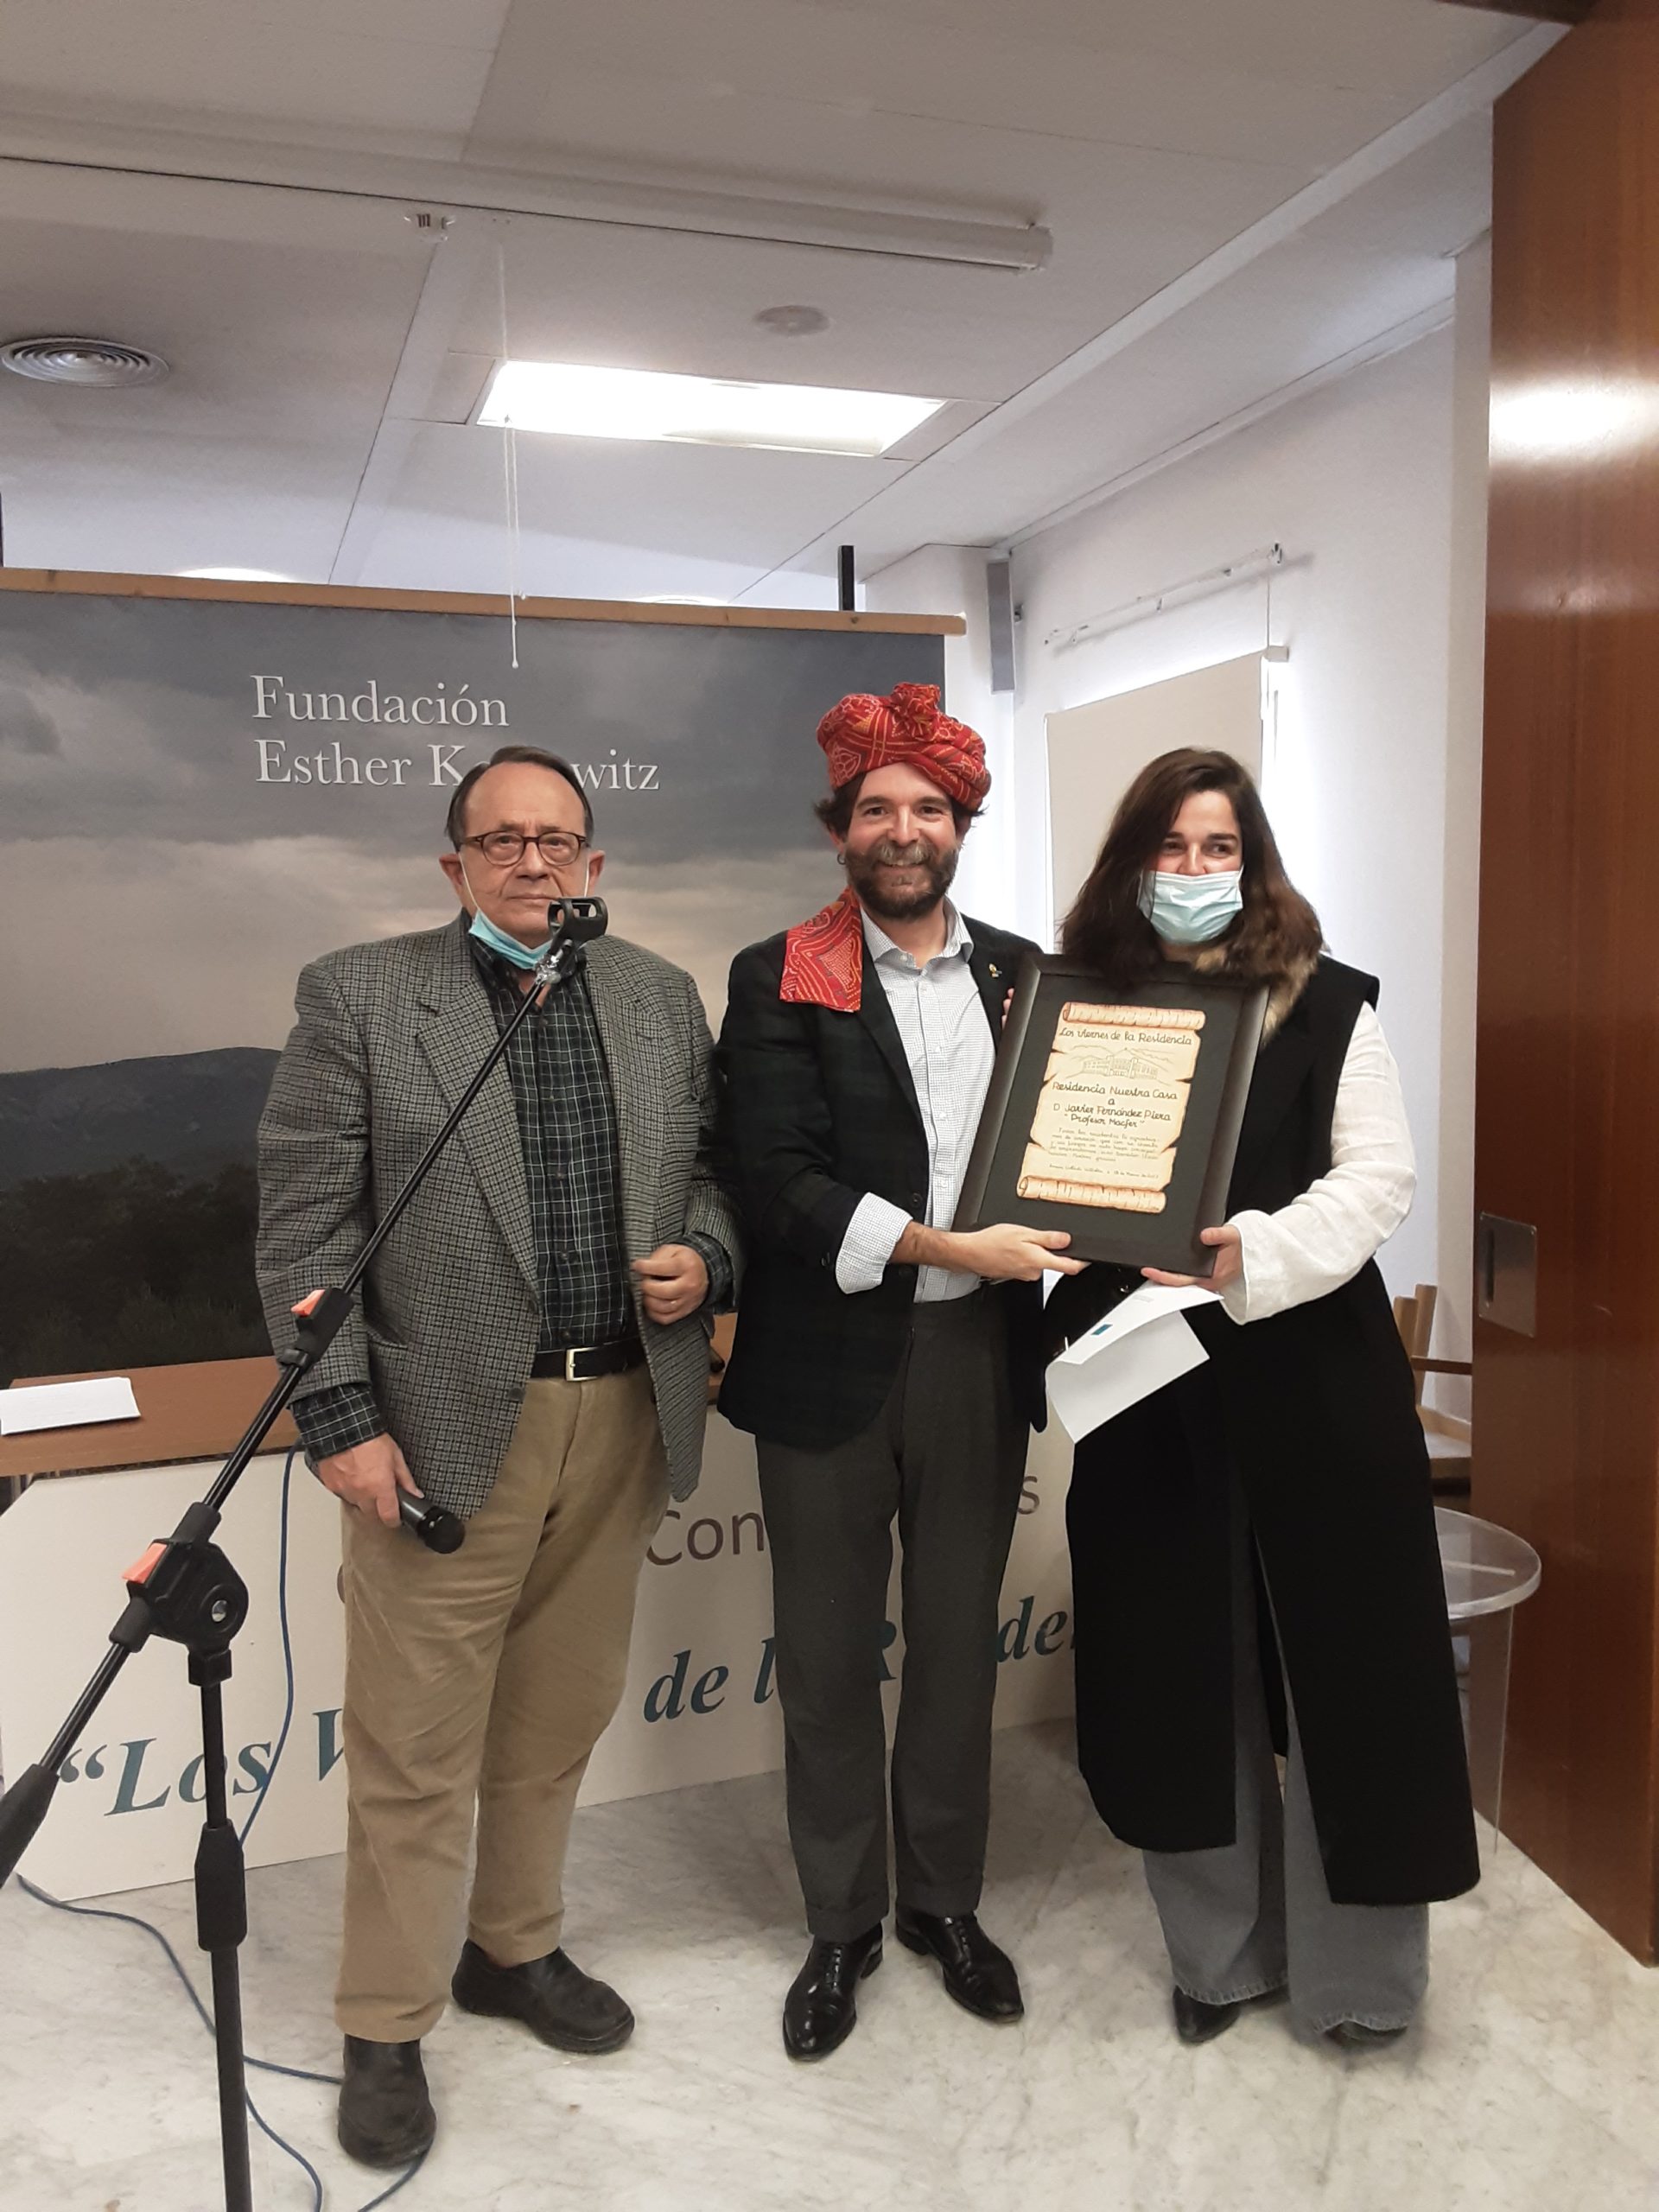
(438, 1530)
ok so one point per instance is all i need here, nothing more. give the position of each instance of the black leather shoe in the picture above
(976, 1973)
(1354, 2035)
(820, 2009)
(1197, 2022)
(552, 1996)
(385, 2115)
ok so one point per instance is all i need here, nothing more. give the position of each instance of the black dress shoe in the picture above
(1354, 2035)
(552, 1996)
(1197, 2022)
(976, 1973)
(385, 2115)
(820, 2009)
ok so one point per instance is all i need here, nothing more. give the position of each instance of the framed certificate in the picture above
(1115, 1115)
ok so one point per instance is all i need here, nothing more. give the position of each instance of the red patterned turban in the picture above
(823, 958)
(863, 732)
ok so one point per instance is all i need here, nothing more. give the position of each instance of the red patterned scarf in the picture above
(824, 959)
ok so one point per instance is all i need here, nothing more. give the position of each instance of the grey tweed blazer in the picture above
(388, 1036)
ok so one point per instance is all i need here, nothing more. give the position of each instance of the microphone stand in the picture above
(184, 1589)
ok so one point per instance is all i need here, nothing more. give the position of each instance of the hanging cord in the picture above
(509, 465)
(133, 1920)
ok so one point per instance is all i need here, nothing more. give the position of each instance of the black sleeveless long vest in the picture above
(1314, 1408)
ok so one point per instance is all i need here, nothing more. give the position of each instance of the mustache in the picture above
(918, 854)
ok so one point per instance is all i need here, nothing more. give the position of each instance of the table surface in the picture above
(196, 1411)
(1486, 1568)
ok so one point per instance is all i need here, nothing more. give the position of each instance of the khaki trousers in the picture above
(487, 1677)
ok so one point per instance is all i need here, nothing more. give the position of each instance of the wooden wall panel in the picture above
(1568, 1091)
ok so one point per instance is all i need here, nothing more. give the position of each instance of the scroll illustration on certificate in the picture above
(1112, 1106)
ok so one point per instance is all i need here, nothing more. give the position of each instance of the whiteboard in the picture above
(1095, 752)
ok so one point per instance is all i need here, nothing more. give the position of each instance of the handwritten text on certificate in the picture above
(1112, 1103)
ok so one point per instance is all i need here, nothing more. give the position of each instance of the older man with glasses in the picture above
(532, 1353)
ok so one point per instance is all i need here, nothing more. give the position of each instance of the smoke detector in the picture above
(82, 361)
(793, 322)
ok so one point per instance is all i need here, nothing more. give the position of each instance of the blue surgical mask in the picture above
(1191, 909)
(522, 956)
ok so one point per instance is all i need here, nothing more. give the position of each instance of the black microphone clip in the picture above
(572, 924)
(580, 920)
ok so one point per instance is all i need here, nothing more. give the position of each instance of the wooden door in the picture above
(1567, 1420)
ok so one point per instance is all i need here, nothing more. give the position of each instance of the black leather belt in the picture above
(587, 1363)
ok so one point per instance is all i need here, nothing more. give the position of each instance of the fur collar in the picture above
(1283, 992)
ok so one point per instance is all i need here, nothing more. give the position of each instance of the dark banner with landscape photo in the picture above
(198, 795)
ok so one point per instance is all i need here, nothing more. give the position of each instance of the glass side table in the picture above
(1488, 1573)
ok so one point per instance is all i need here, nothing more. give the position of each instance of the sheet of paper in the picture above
(66, 1405)
(1148, 1303)
(1112, 1106)
(1142, 1344)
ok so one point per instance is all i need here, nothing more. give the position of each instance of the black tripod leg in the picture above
(221, 1923)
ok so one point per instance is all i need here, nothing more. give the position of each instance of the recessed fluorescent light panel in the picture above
(644, 404)
(241, 575)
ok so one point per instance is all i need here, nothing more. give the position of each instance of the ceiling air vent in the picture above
(82, 361)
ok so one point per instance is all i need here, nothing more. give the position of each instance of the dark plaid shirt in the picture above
(566, 1126)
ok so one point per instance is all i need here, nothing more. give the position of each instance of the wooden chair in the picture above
(1448, 1434)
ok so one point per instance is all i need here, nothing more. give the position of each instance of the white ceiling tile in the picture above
(1146, 138)
(407, 71)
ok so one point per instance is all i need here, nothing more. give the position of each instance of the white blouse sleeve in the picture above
(1322, 1240)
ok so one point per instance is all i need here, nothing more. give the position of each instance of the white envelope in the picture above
(66, 1405)
(1142, 1344)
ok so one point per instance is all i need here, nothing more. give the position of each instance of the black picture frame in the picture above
(1196, 1196)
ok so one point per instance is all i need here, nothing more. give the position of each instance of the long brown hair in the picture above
(1275, 937)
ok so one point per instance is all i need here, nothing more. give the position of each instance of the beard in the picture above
(935, 870)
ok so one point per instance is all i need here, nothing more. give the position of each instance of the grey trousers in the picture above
(1255, 1915)
(946, 1457)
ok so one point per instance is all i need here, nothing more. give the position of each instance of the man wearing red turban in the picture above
(886, 1365)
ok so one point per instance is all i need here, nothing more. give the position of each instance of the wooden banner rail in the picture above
(94, 584)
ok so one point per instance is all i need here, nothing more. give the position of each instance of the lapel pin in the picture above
(995, 969)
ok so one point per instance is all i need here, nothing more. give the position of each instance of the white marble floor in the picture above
(1532, 2080)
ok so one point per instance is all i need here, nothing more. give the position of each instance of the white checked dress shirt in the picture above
(949, 1048)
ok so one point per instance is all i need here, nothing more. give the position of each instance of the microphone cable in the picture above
(135, 1920)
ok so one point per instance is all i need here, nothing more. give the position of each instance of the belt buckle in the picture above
(572, 1354)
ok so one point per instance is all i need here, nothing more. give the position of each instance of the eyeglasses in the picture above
(505, 848)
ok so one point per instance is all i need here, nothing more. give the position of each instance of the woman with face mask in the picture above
(1253, 1547)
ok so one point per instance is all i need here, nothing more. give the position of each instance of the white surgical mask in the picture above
(1191, 909)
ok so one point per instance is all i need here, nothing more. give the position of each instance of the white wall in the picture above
(1375, 486)
(1357, 482)
(1472, 401)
